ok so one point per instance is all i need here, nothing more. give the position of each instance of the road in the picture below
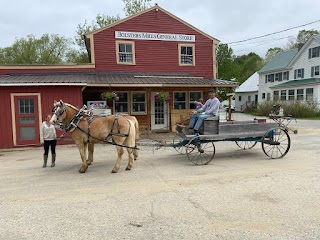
(239, 195)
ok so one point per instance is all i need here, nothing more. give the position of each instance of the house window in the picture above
(180, 100)
(300, 94)
(249, 98)
(186, 54)
(315, 71)
(278, 76)
(275, 95)
(314, 52)
(286, 75)
(291, 94)
(271, 78)
(125, 52)
(239, 98)
(283, 95)
(138, 103)
(263, 95)
(122, 104)
(194, 96)
(268, 96)
(309, 94)
(299, 73)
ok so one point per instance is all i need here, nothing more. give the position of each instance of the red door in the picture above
(27, 120)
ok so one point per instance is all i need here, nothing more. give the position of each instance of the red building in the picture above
(142, 57)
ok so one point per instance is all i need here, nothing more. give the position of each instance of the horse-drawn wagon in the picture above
(200, 148)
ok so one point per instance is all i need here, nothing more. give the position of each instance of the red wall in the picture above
(151, 55)
(70, 95)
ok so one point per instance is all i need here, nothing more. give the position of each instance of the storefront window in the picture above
(122, 104)
(180, 100)
(139, 103)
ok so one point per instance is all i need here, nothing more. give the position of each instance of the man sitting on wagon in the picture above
(209, 109)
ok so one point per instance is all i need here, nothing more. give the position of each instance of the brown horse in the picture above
(84, 129)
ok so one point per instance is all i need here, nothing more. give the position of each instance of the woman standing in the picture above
(48, 138)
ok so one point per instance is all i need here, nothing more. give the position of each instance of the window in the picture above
(300, 94)
(122, 104)
(278, 77)
(138, 103)
(268, 96)
(309, 94)
(239, 98)
(291, 94)
(299, 73)
(315, 71)
(314, 52)
(180, 100)
(186, 54)
(271, 78)
(194, 96)
(249, 98)
(286, 75)
(125, 52)
(26, 106)
(275, 95)
(283, 95)
(263, 95)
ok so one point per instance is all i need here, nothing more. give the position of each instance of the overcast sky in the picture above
(228, 21)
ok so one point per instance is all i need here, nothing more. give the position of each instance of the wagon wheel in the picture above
(276, 143)
(200, 152)
(245, 145)
(180, 149)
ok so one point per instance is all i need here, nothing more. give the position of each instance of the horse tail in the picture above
(131, 138)
(136, 125)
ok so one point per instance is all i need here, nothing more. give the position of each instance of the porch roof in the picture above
(300, 82)
(112, 79)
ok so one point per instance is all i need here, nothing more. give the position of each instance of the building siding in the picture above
(48, 95)
(153, 56)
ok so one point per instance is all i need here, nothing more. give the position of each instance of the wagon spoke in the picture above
(200, 152)
(276, 143)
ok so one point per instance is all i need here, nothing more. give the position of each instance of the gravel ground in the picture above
(239, 195)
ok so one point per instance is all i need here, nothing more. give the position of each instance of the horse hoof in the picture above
(114, 171)
(128, 169)
(81, 170)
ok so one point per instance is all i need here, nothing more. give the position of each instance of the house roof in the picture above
(300, 82)
(112, 79)
(250, 85)
(148, 10)
(279, 61)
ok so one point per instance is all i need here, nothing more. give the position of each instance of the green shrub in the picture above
(297, 109)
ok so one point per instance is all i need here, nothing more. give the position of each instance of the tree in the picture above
(301, 38)
(271, 53)
(225, 61)
(134, 6)
(49, 49)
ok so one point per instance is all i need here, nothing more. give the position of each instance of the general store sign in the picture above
(155, 36)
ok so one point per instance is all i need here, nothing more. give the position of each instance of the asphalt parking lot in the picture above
(239, 195)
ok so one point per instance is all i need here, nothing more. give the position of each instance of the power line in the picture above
(274, 32)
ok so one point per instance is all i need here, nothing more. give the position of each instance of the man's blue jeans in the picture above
(197, 119)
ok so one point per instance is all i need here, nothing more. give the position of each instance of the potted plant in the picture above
(163, 97)
(110, 96)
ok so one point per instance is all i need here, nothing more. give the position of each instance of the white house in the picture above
(246, 95)
(292, 75)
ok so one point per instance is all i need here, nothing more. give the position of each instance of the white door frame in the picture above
(165, 124)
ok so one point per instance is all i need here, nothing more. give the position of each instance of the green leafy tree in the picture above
(301, 38)
(271, 53)
(134, 6)
(48, 49)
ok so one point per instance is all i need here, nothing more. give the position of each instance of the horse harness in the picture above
(73, 124)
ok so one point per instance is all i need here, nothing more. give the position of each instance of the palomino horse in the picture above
(86, 129)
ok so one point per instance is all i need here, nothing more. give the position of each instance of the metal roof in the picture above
(300, 82)
(110, 79)
(279, 61)
(250, 85)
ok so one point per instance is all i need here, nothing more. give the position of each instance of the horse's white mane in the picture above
(69, 105)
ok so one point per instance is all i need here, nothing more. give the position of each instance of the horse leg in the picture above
(90, 153)
(82, 149)
(131, 158)
(119, 160)
(135, 154)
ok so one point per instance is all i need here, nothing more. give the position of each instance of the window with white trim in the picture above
(121, 106)
(194, 96)
(186, 54)
(291, 94)
(125, 52)
(283, 95)
(263, 95)
(315, 71)
(299, 73)
(138, 100)
(275, 95)
(179, 100)
(286, 75)
(300, 93)
(314, 52)
(309, 94)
